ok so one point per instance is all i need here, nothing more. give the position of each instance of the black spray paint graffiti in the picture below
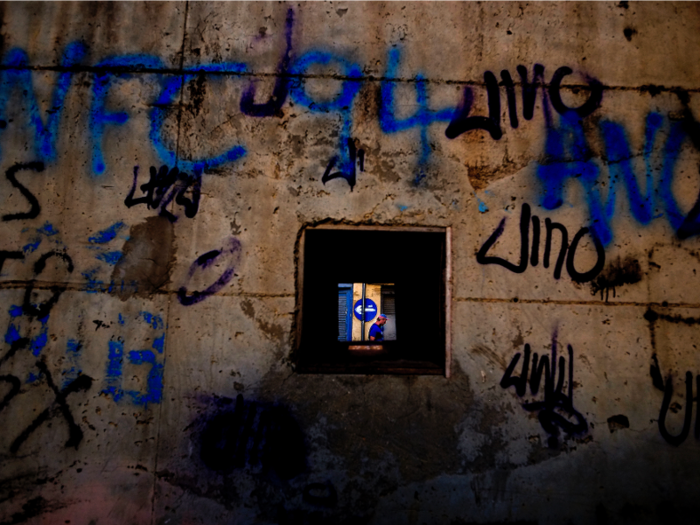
(165, 185)
(567, 252)
(35, 208)
(58, 405)
(357, 157)
(557, 410)
(83, 383)
(255, 435)
(229, 255)
(666, 405)
(461, 121)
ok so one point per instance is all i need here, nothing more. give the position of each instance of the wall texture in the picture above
(158, 162)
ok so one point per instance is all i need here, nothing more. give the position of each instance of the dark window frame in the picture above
(326, 256)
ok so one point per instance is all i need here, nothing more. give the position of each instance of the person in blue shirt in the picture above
(376, 332)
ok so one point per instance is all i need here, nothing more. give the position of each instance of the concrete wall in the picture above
(146, 373)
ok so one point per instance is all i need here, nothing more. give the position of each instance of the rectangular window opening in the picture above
(373, 300)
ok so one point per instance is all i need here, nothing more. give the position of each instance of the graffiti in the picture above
(567, 252)
(568, 156)
(626, 272)
(422, 118)
(289, 84)
(74, 381)
(260, 436)
(11, 175)
(117, 360)
(230, 253)
(279, 93)
(461, 122)
(103, 237)
(557, 410)
(356, 157)
(165, 185)
(17, 78)
(81, 383)
(666, 405)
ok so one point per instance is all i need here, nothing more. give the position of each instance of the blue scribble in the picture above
(402, 207)
(107, 234)
(115, 359)
(154, 383)
(159, 344)
(422, 118)
(569, 156)
(121, 320)
(31, 247)
(111, 258)
(39, 342)
(16, 311)
(342, 104)
(160, 110)
(482, 205)
(155, 321)
(92, 285)
(73, 354)
(17, 77)
(12, 334)
(100, 117)
(154, 390)
(48, 229)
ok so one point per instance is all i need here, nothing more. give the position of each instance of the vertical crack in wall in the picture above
(170, 297)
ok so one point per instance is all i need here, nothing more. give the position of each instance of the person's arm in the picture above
(371, 338)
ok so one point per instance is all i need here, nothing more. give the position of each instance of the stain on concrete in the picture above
(410, 419)
(34, 507)
(272, 331)
(147, 260)
(491, 355)
(481, 176)
(618, 422)
(197, 88)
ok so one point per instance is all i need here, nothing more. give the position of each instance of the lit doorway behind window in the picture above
(359, 308)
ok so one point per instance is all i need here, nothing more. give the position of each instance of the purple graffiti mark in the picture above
(258, 435)
(279, 93)
(232, 252)
(557, 410)
(165, 185)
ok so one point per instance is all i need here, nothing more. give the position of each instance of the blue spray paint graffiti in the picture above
(568, 156)
(422, 118)
(17, 76)
(342, 104)
(107, 234)
(116, 360)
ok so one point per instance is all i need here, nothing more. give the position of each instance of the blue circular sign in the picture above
(370, 310)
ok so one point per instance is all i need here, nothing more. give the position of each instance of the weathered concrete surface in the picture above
(147, 371)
